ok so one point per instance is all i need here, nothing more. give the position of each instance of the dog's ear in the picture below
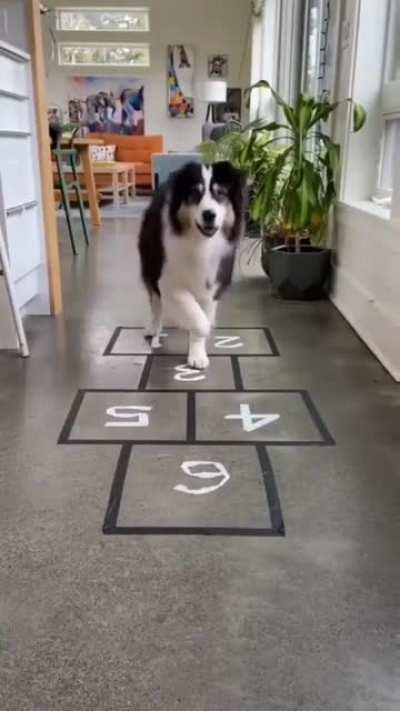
(226, 174)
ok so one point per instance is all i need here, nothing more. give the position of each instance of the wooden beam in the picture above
(49, 213)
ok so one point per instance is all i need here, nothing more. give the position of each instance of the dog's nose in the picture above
(208, 217)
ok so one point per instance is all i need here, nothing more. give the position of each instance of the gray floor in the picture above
(90, 622)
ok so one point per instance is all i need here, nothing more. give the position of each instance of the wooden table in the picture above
(115, 170)
(118, 169)
(82, 145)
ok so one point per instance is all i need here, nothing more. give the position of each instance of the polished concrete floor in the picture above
(90, 622)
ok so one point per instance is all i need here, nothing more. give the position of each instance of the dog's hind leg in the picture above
(153, 330)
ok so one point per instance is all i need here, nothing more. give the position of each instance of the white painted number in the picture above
(228, 342)
(188, 375)
(252, 422)
(128, 416)
(217, 470)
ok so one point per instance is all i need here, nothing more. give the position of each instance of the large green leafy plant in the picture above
(298, 185)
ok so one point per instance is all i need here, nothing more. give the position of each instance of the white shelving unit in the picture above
(20, 189)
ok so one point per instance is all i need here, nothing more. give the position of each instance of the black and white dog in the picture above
(187, 246)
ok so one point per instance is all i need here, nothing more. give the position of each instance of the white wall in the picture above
(367, 247)
(210, 26)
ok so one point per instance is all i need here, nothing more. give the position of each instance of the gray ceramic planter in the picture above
(299, 275)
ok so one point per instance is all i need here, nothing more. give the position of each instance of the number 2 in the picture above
(228, 342)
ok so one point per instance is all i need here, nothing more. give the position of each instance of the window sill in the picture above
(369, 207)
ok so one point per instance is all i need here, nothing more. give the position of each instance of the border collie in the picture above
(187, 246)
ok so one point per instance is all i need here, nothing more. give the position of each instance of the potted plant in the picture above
(293, 200)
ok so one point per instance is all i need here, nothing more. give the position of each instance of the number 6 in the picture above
(220, 471)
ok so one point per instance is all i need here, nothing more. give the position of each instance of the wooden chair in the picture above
(63, 155)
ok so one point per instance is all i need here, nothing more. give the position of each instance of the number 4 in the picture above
(252, 422)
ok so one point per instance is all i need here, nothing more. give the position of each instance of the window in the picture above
(312, 57)
(320, 47)
(112, 54)
(102, 19)
(390, 111)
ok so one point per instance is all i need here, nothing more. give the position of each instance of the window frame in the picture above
(100, 8)
(390, 108)
(130, 45)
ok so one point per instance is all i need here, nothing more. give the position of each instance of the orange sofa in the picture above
(135, 149)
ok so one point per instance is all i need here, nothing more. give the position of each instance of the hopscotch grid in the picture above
(316, 417)
(114, 338)
(271, 490)
(191, 418)
(146, 374)
(272, 343)
(326, 437)
(237, 373)
(108, 351)
(110, 525)
(117, 487)
(144, 378)
(71, 417)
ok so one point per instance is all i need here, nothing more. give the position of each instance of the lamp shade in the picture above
(211, 92)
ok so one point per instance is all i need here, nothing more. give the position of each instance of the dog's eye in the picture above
(194, 195)
(220, 192)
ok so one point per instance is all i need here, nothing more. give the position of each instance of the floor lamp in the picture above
(212, 92)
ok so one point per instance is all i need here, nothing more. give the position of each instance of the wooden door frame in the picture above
(41, 104)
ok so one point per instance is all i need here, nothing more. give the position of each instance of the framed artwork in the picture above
(54, 114)
(180, 81)
(218, 66)
(232, 109)
(107, 104)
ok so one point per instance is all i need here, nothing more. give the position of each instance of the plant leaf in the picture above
(359, 117)
(333, 158)
(263, 84)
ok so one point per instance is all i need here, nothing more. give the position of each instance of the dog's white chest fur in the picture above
(192, 263)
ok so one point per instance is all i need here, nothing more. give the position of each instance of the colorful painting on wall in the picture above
(218, 66)
(180, 81)
(107, 104)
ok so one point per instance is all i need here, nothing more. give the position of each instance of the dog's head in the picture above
(207, 199)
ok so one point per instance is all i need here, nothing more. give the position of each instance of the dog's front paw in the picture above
(198, 357)
(155, 342)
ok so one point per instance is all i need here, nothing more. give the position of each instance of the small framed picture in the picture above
(218, 66)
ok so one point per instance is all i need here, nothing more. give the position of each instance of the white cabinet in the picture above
(14, 113)
(14, 70)
(17, 169)
(20, 188)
